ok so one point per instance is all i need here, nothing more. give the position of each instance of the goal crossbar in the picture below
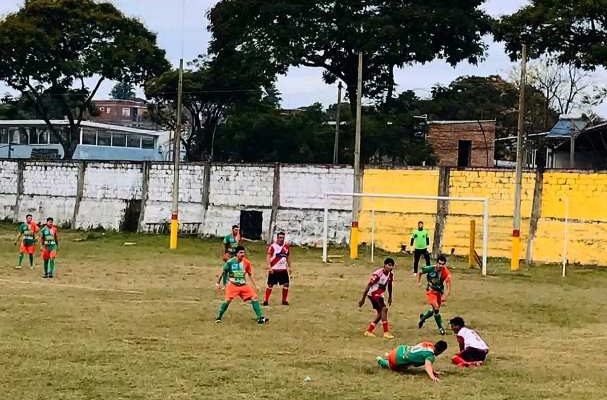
(483, 200)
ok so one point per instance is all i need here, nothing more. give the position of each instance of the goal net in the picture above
(459, 225)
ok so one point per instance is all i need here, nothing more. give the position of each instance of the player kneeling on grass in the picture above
(380, 280)
(473, 349)
(234, 277)
(422, 354)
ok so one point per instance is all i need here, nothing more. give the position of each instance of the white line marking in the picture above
(62, 285)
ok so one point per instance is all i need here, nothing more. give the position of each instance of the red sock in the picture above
(285, 294)
(457, 360)
(385, 325)
(371, 327)
(267, 295)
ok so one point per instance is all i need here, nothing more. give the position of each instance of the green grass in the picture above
(148, 331)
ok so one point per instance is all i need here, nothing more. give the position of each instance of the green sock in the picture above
(51, 266)
(382, 362)
(257, 308)
(439, 320)
(222, 309)
(45, 267)
(20, 259)
(427, 314)
(31, 260)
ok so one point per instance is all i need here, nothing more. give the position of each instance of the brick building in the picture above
(133, 113)
(463, 143)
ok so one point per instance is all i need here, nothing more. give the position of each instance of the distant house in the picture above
(33, 139)
(133, 113)
(574, 143)
(463, 143)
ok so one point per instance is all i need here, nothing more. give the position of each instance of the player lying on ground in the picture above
(422, 354)
(278, 259)
(380, 280)
(26, 239)
(472, 348)
(234, 277)
(50, 244)
(438, 277)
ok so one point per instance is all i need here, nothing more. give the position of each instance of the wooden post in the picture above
(536, 212)
(20, 189)
(442, 209)
(275, 202)
(206, 187)
(79, 192)
(145, 179)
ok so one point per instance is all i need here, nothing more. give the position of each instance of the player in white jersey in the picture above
(278, 260)
(473, 349)
(381, 280)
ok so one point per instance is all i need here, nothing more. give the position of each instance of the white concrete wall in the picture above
(49, 190)
(8, 188)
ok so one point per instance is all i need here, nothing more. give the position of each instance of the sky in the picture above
(301, 86)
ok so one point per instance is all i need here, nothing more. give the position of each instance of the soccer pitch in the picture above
(137, 322)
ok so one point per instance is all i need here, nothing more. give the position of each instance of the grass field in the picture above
(137, 322)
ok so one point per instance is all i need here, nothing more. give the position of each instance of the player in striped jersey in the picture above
(381, 280)
(278, 260)
(422, 354)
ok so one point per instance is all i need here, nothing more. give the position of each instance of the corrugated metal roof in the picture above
(564, 128)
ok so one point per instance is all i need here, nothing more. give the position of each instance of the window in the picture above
(89, 138)
(107, 110)
(134, 141)
(104, 139)
(147, 142)
(126, 112)
(464, 150)
(54, 138)
(3, 135)
(37, 136)
(118, 140)
(23, 136)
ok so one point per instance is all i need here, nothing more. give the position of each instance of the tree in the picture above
(329, 34)
(572, 30)
(123, 91)
(52, 49)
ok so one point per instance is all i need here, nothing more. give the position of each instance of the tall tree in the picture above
(329, 34)
(56, 48)
(123, 91)
(574, 31)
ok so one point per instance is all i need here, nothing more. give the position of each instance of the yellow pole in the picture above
(174, 232)
(471, 258)
(354, 239)
(176, 159)
(516, 251)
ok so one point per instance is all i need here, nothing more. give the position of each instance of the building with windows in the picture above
(463, 143)
(133, 113)
(97, 141)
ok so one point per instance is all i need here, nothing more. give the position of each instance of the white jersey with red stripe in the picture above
(472, 339)
(278, 256)
(379, 282)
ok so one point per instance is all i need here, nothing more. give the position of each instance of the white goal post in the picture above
(483, 200)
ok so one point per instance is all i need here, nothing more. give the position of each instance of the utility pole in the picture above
(176, 160)
(354, 235)
(337, 122)
(516, 221)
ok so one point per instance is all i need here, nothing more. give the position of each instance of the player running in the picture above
(421, 240)
(26, 238)
(234, 277)
(473, 349)
(381, 280)
(422, 354)
(49, 244)
(438, 277)
(278, 259)
(230, 242)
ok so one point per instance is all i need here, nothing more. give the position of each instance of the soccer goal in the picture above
(374, 210)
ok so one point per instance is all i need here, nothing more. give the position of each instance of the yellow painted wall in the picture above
(395, 219)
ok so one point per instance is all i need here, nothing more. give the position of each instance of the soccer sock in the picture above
(20, 258)
(386, 326)
(45, 267)
(222, 309)
(266, 297)
(51, 266)
(457, 360)
(257, 308)
(31, 260)
(285, 294)
(371, 327)
(439, 320)
(427, 314)
(382, 362)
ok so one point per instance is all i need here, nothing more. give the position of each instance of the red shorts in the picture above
(434, 298)
(23, 249)
(392, 359)
(245, 292)
(47, 254)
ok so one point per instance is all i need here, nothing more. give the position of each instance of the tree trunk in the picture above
(73, 139)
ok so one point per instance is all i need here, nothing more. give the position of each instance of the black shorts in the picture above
(377, 302)
(473, 354)
(280, 277)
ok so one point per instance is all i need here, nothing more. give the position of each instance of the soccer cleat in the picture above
(369, 334)
(265, 304)
(45, 276)
(285, 303)
(18, 267)
(421, 321)
(218, 321)
(388, 335)
(263, 320)
(442, 331)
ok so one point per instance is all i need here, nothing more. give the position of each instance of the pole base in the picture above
(515, 260)
(354, 241)
(174, 232)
